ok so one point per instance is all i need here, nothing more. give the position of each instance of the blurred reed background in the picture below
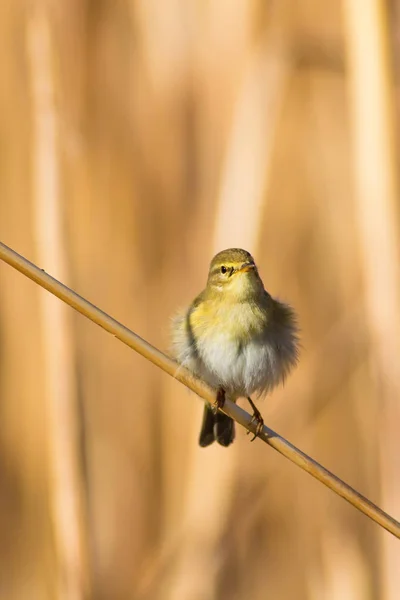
(137, 139)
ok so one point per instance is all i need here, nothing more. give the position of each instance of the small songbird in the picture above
(235, 337)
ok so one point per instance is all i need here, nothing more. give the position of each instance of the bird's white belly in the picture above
(240, 369)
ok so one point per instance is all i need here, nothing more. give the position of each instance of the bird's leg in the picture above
(256, 418)
(220, 400)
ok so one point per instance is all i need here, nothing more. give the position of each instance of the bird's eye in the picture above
(223, 270)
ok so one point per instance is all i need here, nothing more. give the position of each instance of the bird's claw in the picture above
(256, 418)
(260, 425)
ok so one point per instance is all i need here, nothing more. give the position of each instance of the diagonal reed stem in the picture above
(168, 365)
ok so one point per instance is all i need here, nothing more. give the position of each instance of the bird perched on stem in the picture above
(237, 338)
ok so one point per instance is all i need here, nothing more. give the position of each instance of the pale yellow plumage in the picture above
(235, 336)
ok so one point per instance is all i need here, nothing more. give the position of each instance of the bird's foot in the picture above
(256, 418)
(220, 401)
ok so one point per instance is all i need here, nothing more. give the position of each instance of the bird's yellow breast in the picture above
(230, 320)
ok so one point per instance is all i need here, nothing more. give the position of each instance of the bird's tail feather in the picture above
(216, 426)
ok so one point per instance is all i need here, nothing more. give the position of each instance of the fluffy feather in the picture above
(239, 347)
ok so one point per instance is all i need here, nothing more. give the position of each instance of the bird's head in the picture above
(233, 276)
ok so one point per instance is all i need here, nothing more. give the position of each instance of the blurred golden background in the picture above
(137, 139)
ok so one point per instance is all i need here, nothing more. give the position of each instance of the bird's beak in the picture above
(246, 267)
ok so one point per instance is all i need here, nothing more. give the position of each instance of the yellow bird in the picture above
(237, 338)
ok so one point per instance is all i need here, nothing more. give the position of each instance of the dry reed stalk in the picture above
(377, 193)
(168, 365)
(246, 171)
(337, 580)
(238, 221)
(66, 479)
(336, 375)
